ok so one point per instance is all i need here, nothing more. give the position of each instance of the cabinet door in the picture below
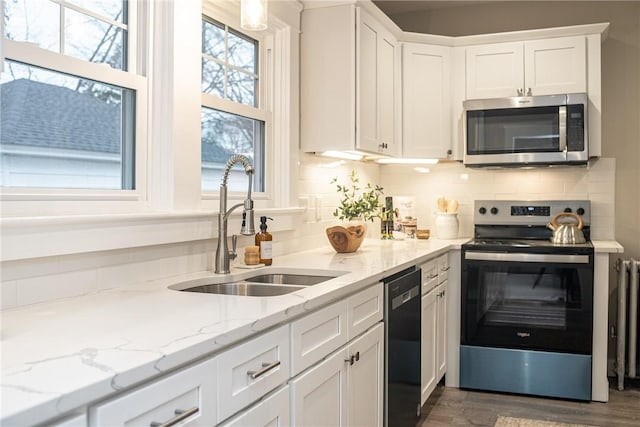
(366, 379)
(441, 344)
(426, 98)
(428, 350)
(367, 72)
(495, 70)
(318, 397)
(388, 101)
(377, 73)
(270, 412)
(555, 66)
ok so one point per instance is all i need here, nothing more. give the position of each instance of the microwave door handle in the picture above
(562, 128)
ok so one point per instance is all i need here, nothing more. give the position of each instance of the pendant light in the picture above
(253, 15)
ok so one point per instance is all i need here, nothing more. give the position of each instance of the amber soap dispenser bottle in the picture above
(264, 241)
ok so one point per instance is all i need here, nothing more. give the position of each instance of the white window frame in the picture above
(29, 201)
(262, 112)
(274, 55)
(171, 208)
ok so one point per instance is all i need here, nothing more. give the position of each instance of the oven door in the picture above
(531, 301)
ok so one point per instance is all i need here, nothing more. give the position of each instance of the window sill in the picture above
(34, 237)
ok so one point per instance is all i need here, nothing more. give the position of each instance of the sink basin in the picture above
(244, 289)
(264, 283)
(289, 279)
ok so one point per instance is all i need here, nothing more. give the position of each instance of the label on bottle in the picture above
(266, 251)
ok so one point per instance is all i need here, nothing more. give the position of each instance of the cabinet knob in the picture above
(520, 91)
(529, 93)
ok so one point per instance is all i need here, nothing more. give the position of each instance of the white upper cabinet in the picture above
(537, 67)
(426, 101)
(350, 82)
(556, 66)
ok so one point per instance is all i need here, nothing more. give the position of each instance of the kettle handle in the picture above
(578, 218)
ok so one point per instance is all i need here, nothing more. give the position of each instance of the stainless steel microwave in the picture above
(521, 131)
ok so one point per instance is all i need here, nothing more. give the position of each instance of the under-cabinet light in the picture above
(408, 161)
(346, 155)
(253, 15)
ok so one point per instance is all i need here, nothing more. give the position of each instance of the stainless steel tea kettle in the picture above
(565, 233)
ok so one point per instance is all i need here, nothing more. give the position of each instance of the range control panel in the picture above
(526, 212)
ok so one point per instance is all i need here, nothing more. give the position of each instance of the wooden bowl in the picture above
(346, 239)
(423, 234)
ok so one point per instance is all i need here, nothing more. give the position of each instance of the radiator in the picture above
(627, 344)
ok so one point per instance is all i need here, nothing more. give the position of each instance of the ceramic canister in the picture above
(446, 225)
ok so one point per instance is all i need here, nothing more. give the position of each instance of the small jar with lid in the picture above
(251, 255)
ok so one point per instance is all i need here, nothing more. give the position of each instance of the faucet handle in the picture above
(234, 244)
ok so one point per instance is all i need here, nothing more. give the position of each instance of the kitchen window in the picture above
(70, 96)
(234, 114)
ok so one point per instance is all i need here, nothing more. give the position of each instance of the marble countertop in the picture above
(64, 354)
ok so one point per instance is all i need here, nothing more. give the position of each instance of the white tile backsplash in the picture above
(42, 279)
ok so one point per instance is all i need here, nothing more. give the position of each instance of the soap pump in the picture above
(264, 242)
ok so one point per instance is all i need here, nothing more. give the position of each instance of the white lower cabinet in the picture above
(186, 398)
(441, 340)
(272, 411)
(324, 369)
(318, 395)
(428, 355)
(345, 389)
(433, 347)
(365, 379)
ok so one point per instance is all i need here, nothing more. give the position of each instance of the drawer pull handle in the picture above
(432, 276)
(266, 367)
(181, 415)
(446, 268)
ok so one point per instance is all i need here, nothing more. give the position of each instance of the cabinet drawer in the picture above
(79, 420)
(318, 334)
(188, 395)
(365, 309)
(273, 411)
(443, 268)
(250, 370)
(429, 275)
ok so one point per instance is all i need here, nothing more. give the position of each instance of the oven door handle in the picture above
(522, 257)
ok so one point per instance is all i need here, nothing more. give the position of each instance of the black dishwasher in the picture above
(402, 347)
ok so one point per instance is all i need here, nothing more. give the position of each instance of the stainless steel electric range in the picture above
(526, 303)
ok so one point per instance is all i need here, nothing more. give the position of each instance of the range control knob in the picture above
(494, 210)
(580, 211)
(482, 210)
(567, 209)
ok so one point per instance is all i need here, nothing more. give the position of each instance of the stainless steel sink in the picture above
(289, 279)
(264, 283)
(244, 289)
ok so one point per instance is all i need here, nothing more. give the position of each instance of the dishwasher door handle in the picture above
(405, 297)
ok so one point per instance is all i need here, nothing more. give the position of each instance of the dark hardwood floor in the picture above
(454, 407)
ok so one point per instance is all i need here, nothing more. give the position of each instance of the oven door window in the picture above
(528, 305)
(513, 130)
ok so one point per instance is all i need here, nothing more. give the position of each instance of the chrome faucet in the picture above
(223, 255)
